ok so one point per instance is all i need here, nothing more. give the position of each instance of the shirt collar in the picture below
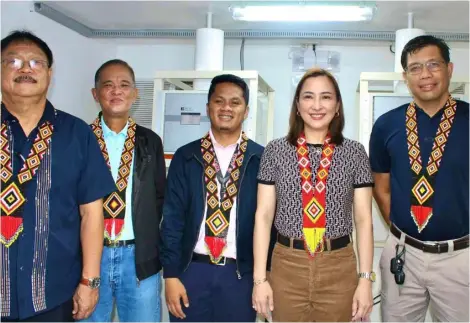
(438, 113)
(49, 114)
(219, 145)
(108, 132)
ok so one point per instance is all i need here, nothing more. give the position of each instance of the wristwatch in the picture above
(93, 283)
(370, 276)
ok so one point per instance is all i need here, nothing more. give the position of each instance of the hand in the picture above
(263, 299)
(174, 292)
(362, 300)
(84, 302)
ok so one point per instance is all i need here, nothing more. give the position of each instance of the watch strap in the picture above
(85, 281)
(91, 282)
(369, 276)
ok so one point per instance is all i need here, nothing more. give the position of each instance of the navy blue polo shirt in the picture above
(389, 154)
(46, 261)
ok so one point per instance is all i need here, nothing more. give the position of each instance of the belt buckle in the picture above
(438, 245)
(221, 264)
(108, 243)
(113, 243)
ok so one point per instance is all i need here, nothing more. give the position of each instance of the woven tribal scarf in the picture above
(218, 210)
(13, 187)
(314, 194)
(115, 203)
(422, 191)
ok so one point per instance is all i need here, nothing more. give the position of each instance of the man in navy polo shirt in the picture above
(419, 154)
(53, 180)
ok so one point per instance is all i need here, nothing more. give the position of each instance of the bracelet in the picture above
(259, 281)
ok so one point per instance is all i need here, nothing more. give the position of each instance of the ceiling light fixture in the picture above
(304, 11)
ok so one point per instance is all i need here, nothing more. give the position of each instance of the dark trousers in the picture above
(61, 313)
(216, 294)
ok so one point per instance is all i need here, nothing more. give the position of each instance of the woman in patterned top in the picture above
(309, 183)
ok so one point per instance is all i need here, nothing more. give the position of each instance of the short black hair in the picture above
(420, 42)
(229, 78)
(25, 36)
(113, 62)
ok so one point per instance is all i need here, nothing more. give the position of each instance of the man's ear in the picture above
(94, 94)
(136, 94)
(49, 73)
(450, 69)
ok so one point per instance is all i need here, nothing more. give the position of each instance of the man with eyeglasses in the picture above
(130, 268)
(419, 154)
(53, 180)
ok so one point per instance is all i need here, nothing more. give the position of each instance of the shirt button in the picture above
(21, 268)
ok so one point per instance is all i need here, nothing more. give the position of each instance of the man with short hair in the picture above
(53, 178)
(209, 215)
(419, 154)
(132, 213)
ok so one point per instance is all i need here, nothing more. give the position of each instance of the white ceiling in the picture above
(432, 16)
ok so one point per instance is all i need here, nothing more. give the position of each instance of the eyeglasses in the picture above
(432, 66)
(18, 63)
(122, 87)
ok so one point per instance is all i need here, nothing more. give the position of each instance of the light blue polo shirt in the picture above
(115, 144)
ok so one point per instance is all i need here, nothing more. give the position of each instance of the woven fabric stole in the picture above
(422, 191)
(115, 203)
(314, 194)
(218, 210)
(13, 199)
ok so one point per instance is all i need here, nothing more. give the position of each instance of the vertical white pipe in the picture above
(410, 20)
(209, 55)
(209, 20)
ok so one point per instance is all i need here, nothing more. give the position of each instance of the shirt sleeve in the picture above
(267, 169)
(363, 174)
(172, 227)
(378, 154)
(96, 180)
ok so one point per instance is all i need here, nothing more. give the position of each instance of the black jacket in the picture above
(148, 187)
(184, 209)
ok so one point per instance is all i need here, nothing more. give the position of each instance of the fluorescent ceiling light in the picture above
(303, 12)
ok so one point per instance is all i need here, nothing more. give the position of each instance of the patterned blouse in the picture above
(350, 169)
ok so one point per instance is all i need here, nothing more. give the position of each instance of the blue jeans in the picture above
(136, 301)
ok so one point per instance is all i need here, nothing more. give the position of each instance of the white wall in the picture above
(271, 59)
(76, 57)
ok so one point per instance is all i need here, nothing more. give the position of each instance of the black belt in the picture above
(118, 243)
(330, 245)
(437, 247)
(207, 259)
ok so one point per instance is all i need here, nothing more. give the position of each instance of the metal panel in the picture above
(141, 110)
(175, 133)
(62, 19)
(59, 17)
